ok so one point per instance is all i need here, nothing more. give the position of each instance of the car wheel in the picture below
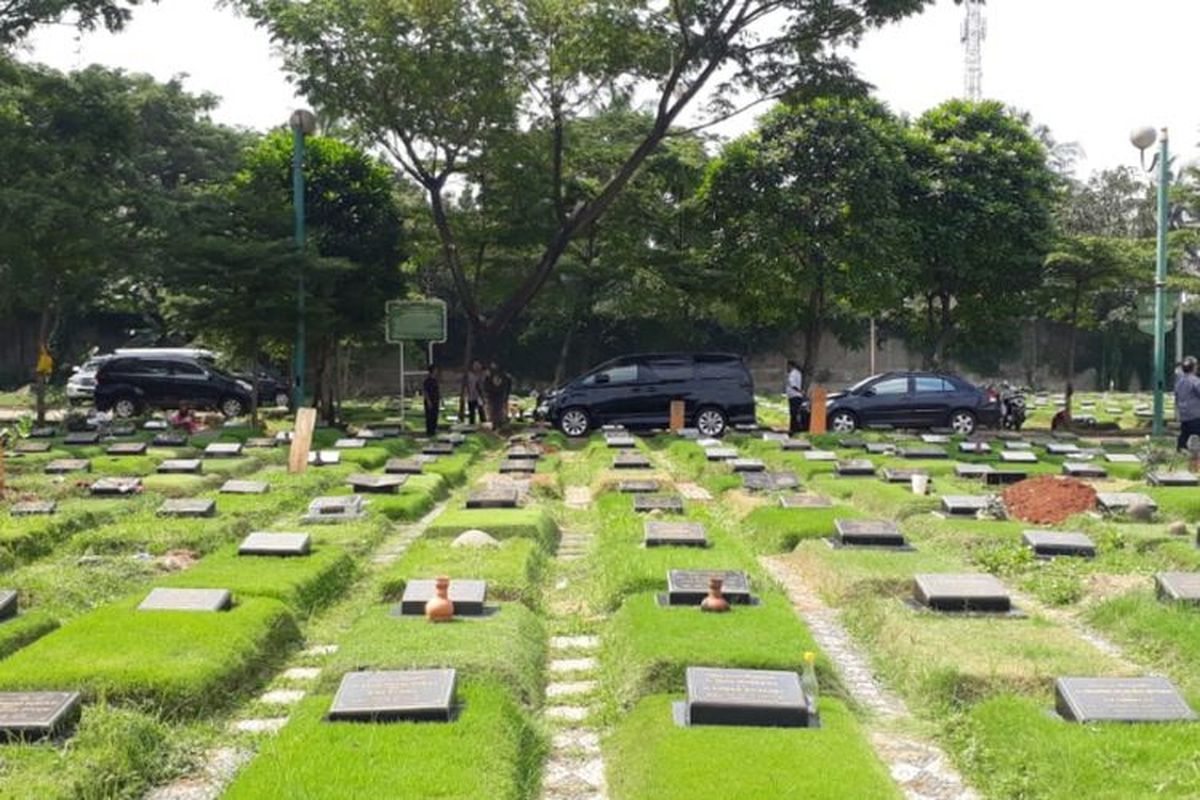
(962, 422)
(842, 422)
(125, 407)
(232, 407)
(711, 422)
(574, 422)
(282, 399)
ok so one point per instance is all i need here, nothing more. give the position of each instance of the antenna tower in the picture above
(974, 31)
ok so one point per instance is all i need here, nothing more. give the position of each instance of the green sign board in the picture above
(1145, 312)
(416, 321)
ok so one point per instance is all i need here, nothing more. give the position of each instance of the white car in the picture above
(82, 383)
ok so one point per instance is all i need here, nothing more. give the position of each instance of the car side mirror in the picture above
(602, 378)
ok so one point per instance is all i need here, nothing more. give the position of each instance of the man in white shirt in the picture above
(795, 398)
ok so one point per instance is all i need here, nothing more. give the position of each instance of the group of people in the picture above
(485, 394)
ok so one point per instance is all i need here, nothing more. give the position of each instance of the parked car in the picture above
(273, 390)
(82, 383)
(636, 391)
(129, 385)
(913, 400)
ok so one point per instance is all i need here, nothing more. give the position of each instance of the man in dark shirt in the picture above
(432, 393)
(1187, 401)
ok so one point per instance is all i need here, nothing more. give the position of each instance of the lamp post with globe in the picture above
(1143, 139)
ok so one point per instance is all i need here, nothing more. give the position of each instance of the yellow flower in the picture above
(809, 657)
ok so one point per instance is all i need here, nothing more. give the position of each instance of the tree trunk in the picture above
(1073, 335)
(930, 333)
(39, 378)
(812, 334)
(560, 369)
(943, 335)
(468, 357)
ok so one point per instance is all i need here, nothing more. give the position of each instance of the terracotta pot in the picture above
(715, 602)
(439, 608)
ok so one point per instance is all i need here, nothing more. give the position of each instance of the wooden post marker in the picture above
(816, 414)
(677, 423)
(306, 421)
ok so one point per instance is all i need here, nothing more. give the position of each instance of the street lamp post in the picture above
(1142, 139)
(303, 123)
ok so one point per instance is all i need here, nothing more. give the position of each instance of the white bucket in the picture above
(920, 484)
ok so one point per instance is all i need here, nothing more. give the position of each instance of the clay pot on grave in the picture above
(439, 608)
(715, 602)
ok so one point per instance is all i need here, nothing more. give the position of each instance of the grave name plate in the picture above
(403, 466)
(29, 508)
(1079, 469)
(416, 694)
(324, 458)
(245, 487)
(636, 487)
(774, 436)
(974, 447)
(964, 504)
(116, 486)
(797, 445)
(868, 533)
(1174, 479)
(935, 438)
(262, 442)
(154, 425)
(223, 450)
(1017, 446)
(32, 715)
(8, 604)
(511, 466)
(1123, 501)
(856, 468)
(262, 543)
(970, 592)
(923, 453)
(678, 534)
(468, 596)
(666, 503)
(1059, 543)
(748, 697)
(1122, 458)
(747, 465)
(1182, 587)
(720, 454)
(126, 449)
(631, 461)
(805, 501)
(1120, 700)
(1003, 478)
(972, 470)
(82, 438)
(438, 449)
(352, 443)
(376, 484)
(523, 454)
(880, 448)
(42, 433)
(62, 466)
(169, 440)
(180, 466)
(335, 509)
(1061, 448)
(27, 446)
(187, 507)
(820, 455)
(781, 481)
(1018, 457)
(687, 587)
(205, 600)
(494, 497)
(891, 475)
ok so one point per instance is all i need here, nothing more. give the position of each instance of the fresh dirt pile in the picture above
(1048, 500)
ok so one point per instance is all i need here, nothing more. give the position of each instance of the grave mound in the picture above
(1048, 500)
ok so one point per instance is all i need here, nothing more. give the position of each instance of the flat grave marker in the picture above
(1059, 543)
(204, 600)
(965, 504)
(223, 450)
(324, 458)
(523, 453)
(1122, 458)
(1018, 457)
(820, 455)
(935, 438)
(262, 442)
(674, 534)
(116, 486)
(376, 484)
(745, 697)
(1173, 479)
(1149, 699)
(438, 449)
(263, 543)
(82, 438)
(467, 595)
(620, 441)
(665, 503)
(868, 533)
(852, 443)
(352, 443)
(425, 695)
(961, 592)
(1003, 477)
(1183, 587)
(805, 501)
(972, 470)
(8, 604)
(1115, 502)
(511, 466)
(636, 487)
(245, 487)
(1084, 471)
(30, 508)
(856, 468)
(720, 453)
(126, 449)
(34, 715)
(169, 439)
(155, 425)
(1017, 446)
(923, 453)
(687, 587)
(30, 447)
(630, 461)
(337, 508)
(63, 466)
(879, 448)
(747, 465)
(493, 497)
(1062, 448)
(797, 445)
(187, 507)
(980, 448)
(43, 433)
(404, 466)
(893, 475)
(180, 466)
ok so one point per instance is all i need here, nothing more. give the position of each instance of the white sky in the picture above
(1063, 60)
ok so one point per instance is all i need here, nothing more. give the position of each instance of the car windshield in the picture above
(856, 387)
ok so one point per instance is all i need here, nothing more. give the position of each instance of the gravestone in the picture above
(438, 449)
(782, 481)
(245, 487)
(1150, 699)
(981, 448)
(207, 600)
(82, 438)
(493, 497)
(403, 466)
(517, 466)
(892, 475)
(1059, 543)
(180, 466)
(1173, 479)
(720, 454)
(187, 507)
(868, 533)
(116, 486)
(747, 465)
(155, 425)
(797, 445)
(324, 458)
(636, 487)
(972, 470)
(1115, 502)
(746, 697)
(1004, 477)
(8, 604)
(30, 447)
(1082, 470)
(708, 442)
(666, 503)
(620, 441)
(969, 592)
(169, 439)
(964, 504)
(42, 433)
(1018, 457)
(452, 438)
(1017, 446)
(879, 448)
(285, 437)
(852, 443)
(388, 431)
(935, 438)
(29, 508)
(1183, 587)
(856, 468)
(350, 444)
(424, 695)
(337, 508)
(631, 461)
(1061, 448)
(804, 501)
(757, 482)
(468, 596)
(1122, 458)
(677, 534)
(262, 543)
(126, 449)
(262, 442)
(923, 453)
(774, 436)
(35, 715)
(687, 587)
(223, 450)
(820, 455)
(376, 484)
(523, 453)
(62, 466)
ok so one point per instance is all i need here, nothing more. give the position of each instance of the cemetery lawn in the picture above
(513, 571)
(502, 523)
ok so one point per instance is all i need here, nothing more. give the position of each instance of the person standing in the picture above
(475, 378)
(795, 398)
(431, 393)
(1187, 401)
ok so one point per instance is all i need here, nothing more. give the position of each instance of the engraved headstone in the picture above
(1059, 543)
(971, 470)
(783, 481)
(29, 508)
(747, 465)
(666, 503)
(746, 697)
(350, 444)
(1174, 479)
(1061, 448)
(720, 453)
(880, 448)
(868, 533)
(1182, 587)
(981, 448)
(187, 507)
(511, 466)
(425, 695)
(468, 596)
(964, 504)
(1018, 457)
(187, 600)
(169, 439)
(923, 453)
(223, 450)
(820, 455)
(1122, 458)
(637, 487)
(1115, 502)
(970, 592)
(30, 447)
(262, 543)
(176, 466)
(376, 484)
(523, 453)
(892, 475)
(1079, 469)
(62, 466)
(857, 467)
(337, 508)
(804, 501)
(1004, 477)
(262, 442)
(799, 445)
(126, 449)
(438, 449)
(324, 458)
(687, 587)
(116, 486)
(852, 443)
(679, 534)
(43, 433)
(630, 461)
(82, 438)
(774, 436)
(935, 438)
(403, 466)
(1150, 699)
(32, 715)
(245, 487)
(493, 497)
(1017, 445)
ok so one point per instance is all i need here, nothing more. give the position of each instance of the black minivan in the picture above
(637, 391)
(129, 385)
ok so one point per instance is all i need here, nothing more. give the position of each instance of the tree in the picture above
(983, 215)
(19, 17)
(806, 217)
(437, 86)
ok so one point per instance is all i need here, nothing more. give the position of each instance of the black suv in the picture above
(128, 385)
(913, 400)
(636, 391)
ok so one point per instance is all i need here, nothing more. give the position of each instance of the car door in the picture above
(886, 402)
(666, 379)
(190, 382)
(153, 377)
(932, 397)
(610, 396)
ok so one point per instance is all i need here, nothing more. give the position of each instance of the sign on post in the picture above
(416, 321)
(1145, 312)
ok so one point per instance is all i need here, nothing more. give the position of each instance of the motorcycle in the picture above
(1012, 407)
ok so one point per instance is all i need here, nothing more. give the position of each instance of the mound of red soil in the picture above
(1048, 500)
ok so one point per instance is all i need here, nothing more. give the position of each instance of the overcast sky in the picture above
(1090, 69)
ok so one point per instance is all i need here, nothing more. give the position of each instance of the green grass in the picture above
(26, 538)
(1164, 634)
(26, 627)
(155, 535)
(1175, 502)
(514, 570)
(650, 758)
(772, 529)
(415, 498)
(491, 751)
(178, 663)
(503, 523)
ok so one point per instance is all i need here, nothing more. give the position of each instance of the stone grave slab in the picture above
(981, 448)
(126, 449)
(783, 480)
(511, 466)
(964, 504)
(366, 483)
(263, 543)
(868, 533)
(169, 439)
(879, 448)
(1018, 457)
(856, 468)
(747, 465)
(757, 482)
(637, 487)
(687, 587)
(208, 600)
(1122, 458)
(1115, 502)
(720, 454)
(520, 453)
(324, 458)
(674, 534)
(1173, 479)
(452, 438)
(35, 715)
(467, 595)
(43, 433)
(923, 453)
(935, 438)
(388, 431)
(262, 442)
(30, 508)
(351, 443)
(892, 475)
(745, 697)
(852, 443)
(245, 487)
(1061, 448)
(1004, 477)
(1059, 543)
(820, 455)
(1183, 587)
(1083, 470)
(631, 461)
(116, 486)
(82, 438)
(774, 436)
(799, 445)
(961, 592)
(30, 447)
(63, 466)
(707, 442)
(284, 436)
(1017, 446)
(337, 508)
(438, 449)
(425, 695)
(805, 501)
(403, 466)
(8, 604)
(972, 470)
(620, 441)
(494, 497)
(188, 507)
(1148, 699)
(155, 425)
(666, 503)
(223, 450)
(180, 466)
(612, 428)
(746, 427)
(689, 433)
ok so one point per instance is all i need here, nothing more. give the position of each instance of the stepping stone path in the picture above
(578, 497)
